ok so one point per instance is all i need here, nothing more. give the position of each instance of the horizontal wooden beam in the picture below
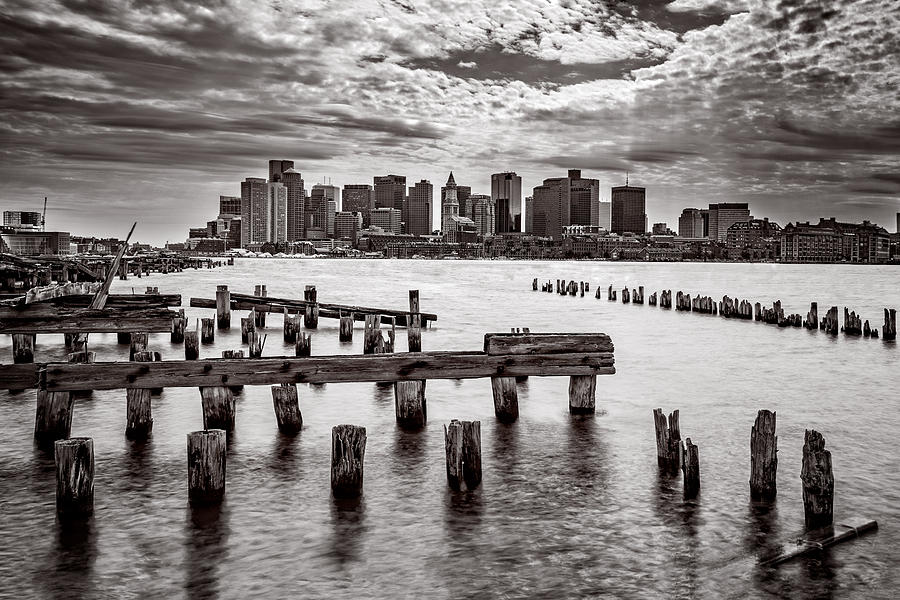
(546, 343)
(19, 377)
(123, 301)
(49, 318)
(59, 377)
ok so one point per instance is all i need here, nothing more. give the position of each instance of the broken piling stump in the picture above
(763, 457)
(506, 399)
(23, 348)
(207, 331)
(414, 332)
(218, 408)
(247, 324)
(74, 460)
(818, 481)
(206, 466)
(191, 345)
(138, 416)
(304, 345)
(348, 452)
(287, 408)
(223, 307)
(345, 333)
(409, 403)
(178, 326)
(371, 333)
(690, 466)
(53, 416)
(668, 441)
(582, 392)
(462, 444)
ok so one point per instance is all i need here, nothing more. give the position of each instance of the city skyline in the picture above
(787, 106)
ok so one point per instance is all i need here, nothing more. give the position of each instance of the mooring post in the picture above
(371, 334)
(763, 457)
(348, 451)
(690, 465)
(207, 331)
(414, 332)
(139, 418)
(409, 403)
(23, 348)
(506, 399)
(191, 345)
(74, 460)
(206, 466)
(462, 445)
(287, 408)
(304, 345)
(818, 481)
(218, 408)
(668, 441)
(582, 392)
(346, 328)
(223, 307)
(53, 416)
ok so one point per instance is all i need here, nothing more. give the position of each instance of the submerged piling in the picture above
(206, 466)
(348, 452)
(763, 457)
(74, 460)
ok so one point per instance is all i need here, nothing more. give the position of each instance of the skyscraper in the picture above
(230, 205)
(629, 211)
(483, 214)
(387, 219)
(690, 223)
(390, 191)
(347, 225)
(529, 214)
(296, 204)
(321, 208)
(254, 211)
(277, 167)
(418, 211)
(584, 194)
(551, 207)
(605, 215)
(725, 214)
(358, 197)
(506, 192)
(277, 208)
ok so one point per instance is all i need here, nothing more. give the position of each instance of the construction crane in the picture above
(44, 216)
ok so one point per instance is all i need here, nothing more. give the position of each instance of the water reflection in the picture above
(206, 535)
(348, 522)
(284, 458)
(407, 460)
(682, 518)
(138, 464)
(505, 452)
(74, 555)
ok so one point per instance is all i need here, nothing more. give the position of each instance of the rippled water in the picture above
(569, 506)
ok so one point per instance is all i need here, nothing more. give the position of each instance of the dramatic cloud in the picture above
(109, 104)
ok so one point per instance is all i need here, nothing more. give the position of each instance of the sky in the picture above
(149, 110)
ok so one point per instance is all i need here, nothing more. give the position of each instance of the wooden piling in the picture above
(409, 403)
(191, 345)
(889, 329)
(138, 344)
(348, 451)
(414, 301)
(74, 460)
(506, 399)
(304, 345)
(178, 326)
(818, 481)
(414, 332)
(206, 466)
(763, 457)
(207, 331)
(260, 317)
(218, 408)
(311, 316)
(462, 444)
(690, 466)
(138, 416)
(53, 416)
(287, 408)
(582, 390)
(23, 348)
(668, 441)
(346, 328)
(371, 334)
(247, 324)
(223, 307)
(125, 338)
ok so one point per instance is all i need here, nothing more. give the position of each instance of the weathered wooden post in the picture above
(414, 302)
(304, 345)
(889, 330)
(139, 418)
(582, 390)
(506, 399)
(218, 408)
(348, 452)
(138, 344)
(346, 328)
(291, 326)
(125, 338)
(287, 408)
(207, 331)
(23, 348)
(414, 332)
(690, 465)
(81, 357)
(409, 403)
(462, 444)
(818, 481)
(74, 460)
(69, 340)
(191, 345)
(178, 326)
(311, 313)
(206, 466)
(247, 324)
(223, 307)
(763, 457)
(260, 316)
(534, 284)
(668, 441)
(371, 334)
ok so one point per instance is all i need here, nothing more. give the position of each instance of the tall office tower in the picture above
(278, 223)
(690, 223)
(529, 214)
(551, 207)
(605, 215)
(322, 200)
(629, 212)
(358, 197)
(704, 214)
(584, 194)
(254, 211)
(725, 214)
(387, 219)
(483, 214)
(390, 191)
(296, 204)
(449, 206)
(331, 205)
(506, 192)
(277, 167)
(418, 208)
(347, 225)
(230, 205)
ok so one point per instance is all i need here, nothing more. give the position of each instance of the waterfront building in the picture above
(506, 194)
(629, 209)
(358, 197)
(661, 229)
(229, 205)
(418, 208)
(725, 214)
(483, 215)
(22, 219)
(462, 193)
(386, 219)
(347, 225)
(296, 203)
(277, 167)
(754, 239)
(254, 211)
(30, 241)
(691, 224)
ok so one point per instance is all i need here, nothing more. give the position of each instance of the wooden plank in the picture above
(318, 369)
(330, 311)
(19, 377)
(123, 301)
(546, 343)
(47, 318)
